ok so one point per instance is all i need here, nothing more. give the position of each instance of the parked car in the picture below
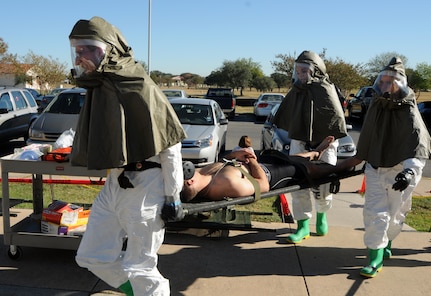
(359, 103)
(278, 139)
(425, 111)
(264, 103)
(60, 115)
(18, 109)
(46, 99)
(36, 95)
(206, 128)
(225, 98)
(343, 100)
(174, 93)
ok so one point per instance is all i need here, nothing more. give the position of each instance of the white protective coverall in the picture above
(393, 139)
(135, 212)
(385, 209)
(125, 120)
(302, 199)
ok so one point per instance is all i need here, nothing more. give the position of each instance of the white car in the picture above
(18, 109)
(265, 102)
(174, 93)
(206, 128)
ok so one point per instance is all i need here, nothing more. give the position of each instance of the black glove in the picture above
(172, 210)
(403, 179)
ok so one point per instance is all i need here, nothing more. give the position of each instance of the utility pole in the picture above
(149, 37)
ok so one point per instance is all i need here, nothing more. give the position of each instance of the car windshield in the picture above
(271, 98)
(67, 103)
(172, 93)
(55, 91)
(219, 92)
(194, 114)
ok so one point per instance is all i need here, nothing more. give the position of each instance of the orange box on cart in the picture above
(65, 214)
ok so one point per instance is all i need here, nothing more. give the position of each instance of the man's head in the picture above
(190, 190)
(307, 66)
(96, 44)
(244, 142)
(87, 54)
(391, 83)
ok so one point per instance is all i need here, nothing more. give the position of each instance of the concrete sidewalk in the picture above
(248, 262)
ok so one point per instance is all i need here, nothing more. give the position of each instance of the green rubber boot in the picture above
(321, 224)
(376, 263)
(126, 288)
(387, 252)
(303, 232)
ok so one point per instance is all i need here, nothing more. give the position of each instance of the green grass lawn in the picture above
(264, 210)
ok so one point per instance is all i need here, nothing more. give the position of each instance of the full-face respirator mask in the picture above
(87, 54)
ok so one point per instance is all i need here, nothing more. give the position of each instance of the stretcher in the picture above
(222, 215)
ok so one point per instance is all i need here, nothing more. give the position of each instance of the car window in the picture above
(194, 114)
(30, 99)
(218, 112)
(369, 92)
(271, 98)
(20, 102)
(172, 93)
(67, 103)
(5, 102)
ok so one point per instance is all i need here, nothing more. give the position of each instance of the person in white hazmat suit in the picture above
(128, 126)
(395, 143)
(311, 111)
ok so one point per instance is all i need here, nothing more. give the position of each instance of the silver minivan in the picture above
(60, 115)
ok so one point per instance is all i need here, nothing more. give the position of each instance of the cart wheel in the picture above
(15, 252)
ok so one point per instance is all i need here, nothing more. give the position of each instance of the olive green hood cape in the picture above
(393, 133)
(125, 118)
(312, 112)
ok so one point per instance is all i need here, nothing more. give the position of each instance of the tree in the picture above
(239, 73)
(50, 72)
(423, 74)
(192, 79)
(346, 76)
(280, 79)
(285, 65)
(5, 57)
(263, 83)
(215, 78)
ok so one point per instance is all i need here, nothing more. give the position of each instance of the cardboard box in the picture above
(65, 214)
(52, 228)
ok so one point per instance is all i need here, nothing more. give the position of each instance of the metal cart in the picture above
(27, 232)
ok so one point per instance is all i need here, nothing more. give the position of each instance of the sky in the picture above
(197, 36)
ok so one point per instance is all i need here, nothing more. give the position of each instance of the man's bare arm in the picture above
(258, 174)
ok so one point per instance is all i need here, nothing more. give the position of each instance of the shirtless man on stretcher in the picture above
(219, 180)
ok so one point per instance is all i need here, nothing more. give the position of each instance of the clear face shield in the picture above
(87, 54)
(391, 85)
(302, 73)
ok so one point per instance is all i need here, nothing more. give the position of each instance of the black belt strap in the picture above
(136, 166)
